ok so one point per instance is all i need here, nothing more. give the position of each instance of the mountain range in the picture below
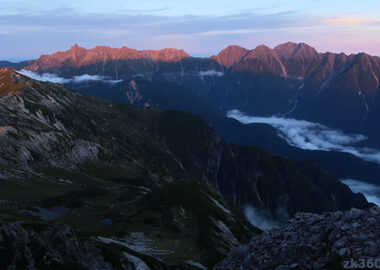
(290, 81)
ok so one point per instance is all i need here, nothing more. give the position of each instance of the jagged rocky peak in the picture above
(76, 47)
(79, 56)
(364, 73)
(261, 51)
(77, 52)
(305, 51)
(264, 54)
(297, 50)
(265, 60)
(10, 81)
(167, 54)
(109, 53)
(299, 59)
(231, 55)
(286, 50)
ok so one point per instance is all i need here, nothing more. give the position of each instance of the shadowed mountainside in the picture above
(114, 172)
(49, 125)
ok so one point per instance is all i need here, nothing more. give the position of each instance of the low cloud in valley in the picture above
(211, 73)
(48, 77)
(312, 136)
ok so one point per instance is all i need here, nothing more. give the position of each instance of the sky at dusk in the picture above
(200, 27)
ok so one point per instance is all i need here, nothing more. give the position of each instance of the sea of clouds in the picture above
(48, 77)
(370, 191)
(312, 136)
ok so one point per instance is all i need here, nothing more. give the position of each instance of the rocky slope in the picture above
(338, 240)
(47, 247)
(116, 225)
(48, 125)
(113, 172)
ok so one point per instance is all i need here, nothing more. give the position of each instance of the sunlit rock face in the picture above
(292, 79)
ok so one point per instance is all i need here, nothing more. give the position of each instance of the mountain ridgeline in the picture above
(292, 79)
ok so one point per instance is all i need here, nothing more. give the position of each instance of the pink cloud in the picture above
(349, 20)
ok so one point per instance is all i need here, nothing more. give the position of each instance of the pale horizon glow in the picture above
(202, 28)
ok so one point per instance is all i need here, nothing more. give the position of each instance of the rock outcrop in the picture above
(47, 247)
(328, 241)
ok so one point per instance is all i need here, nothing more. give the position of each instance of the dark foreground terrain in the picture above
(87, 183)
(340, 240)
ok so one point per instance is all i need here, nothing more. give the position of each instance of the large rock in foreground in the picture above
(329, 241)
